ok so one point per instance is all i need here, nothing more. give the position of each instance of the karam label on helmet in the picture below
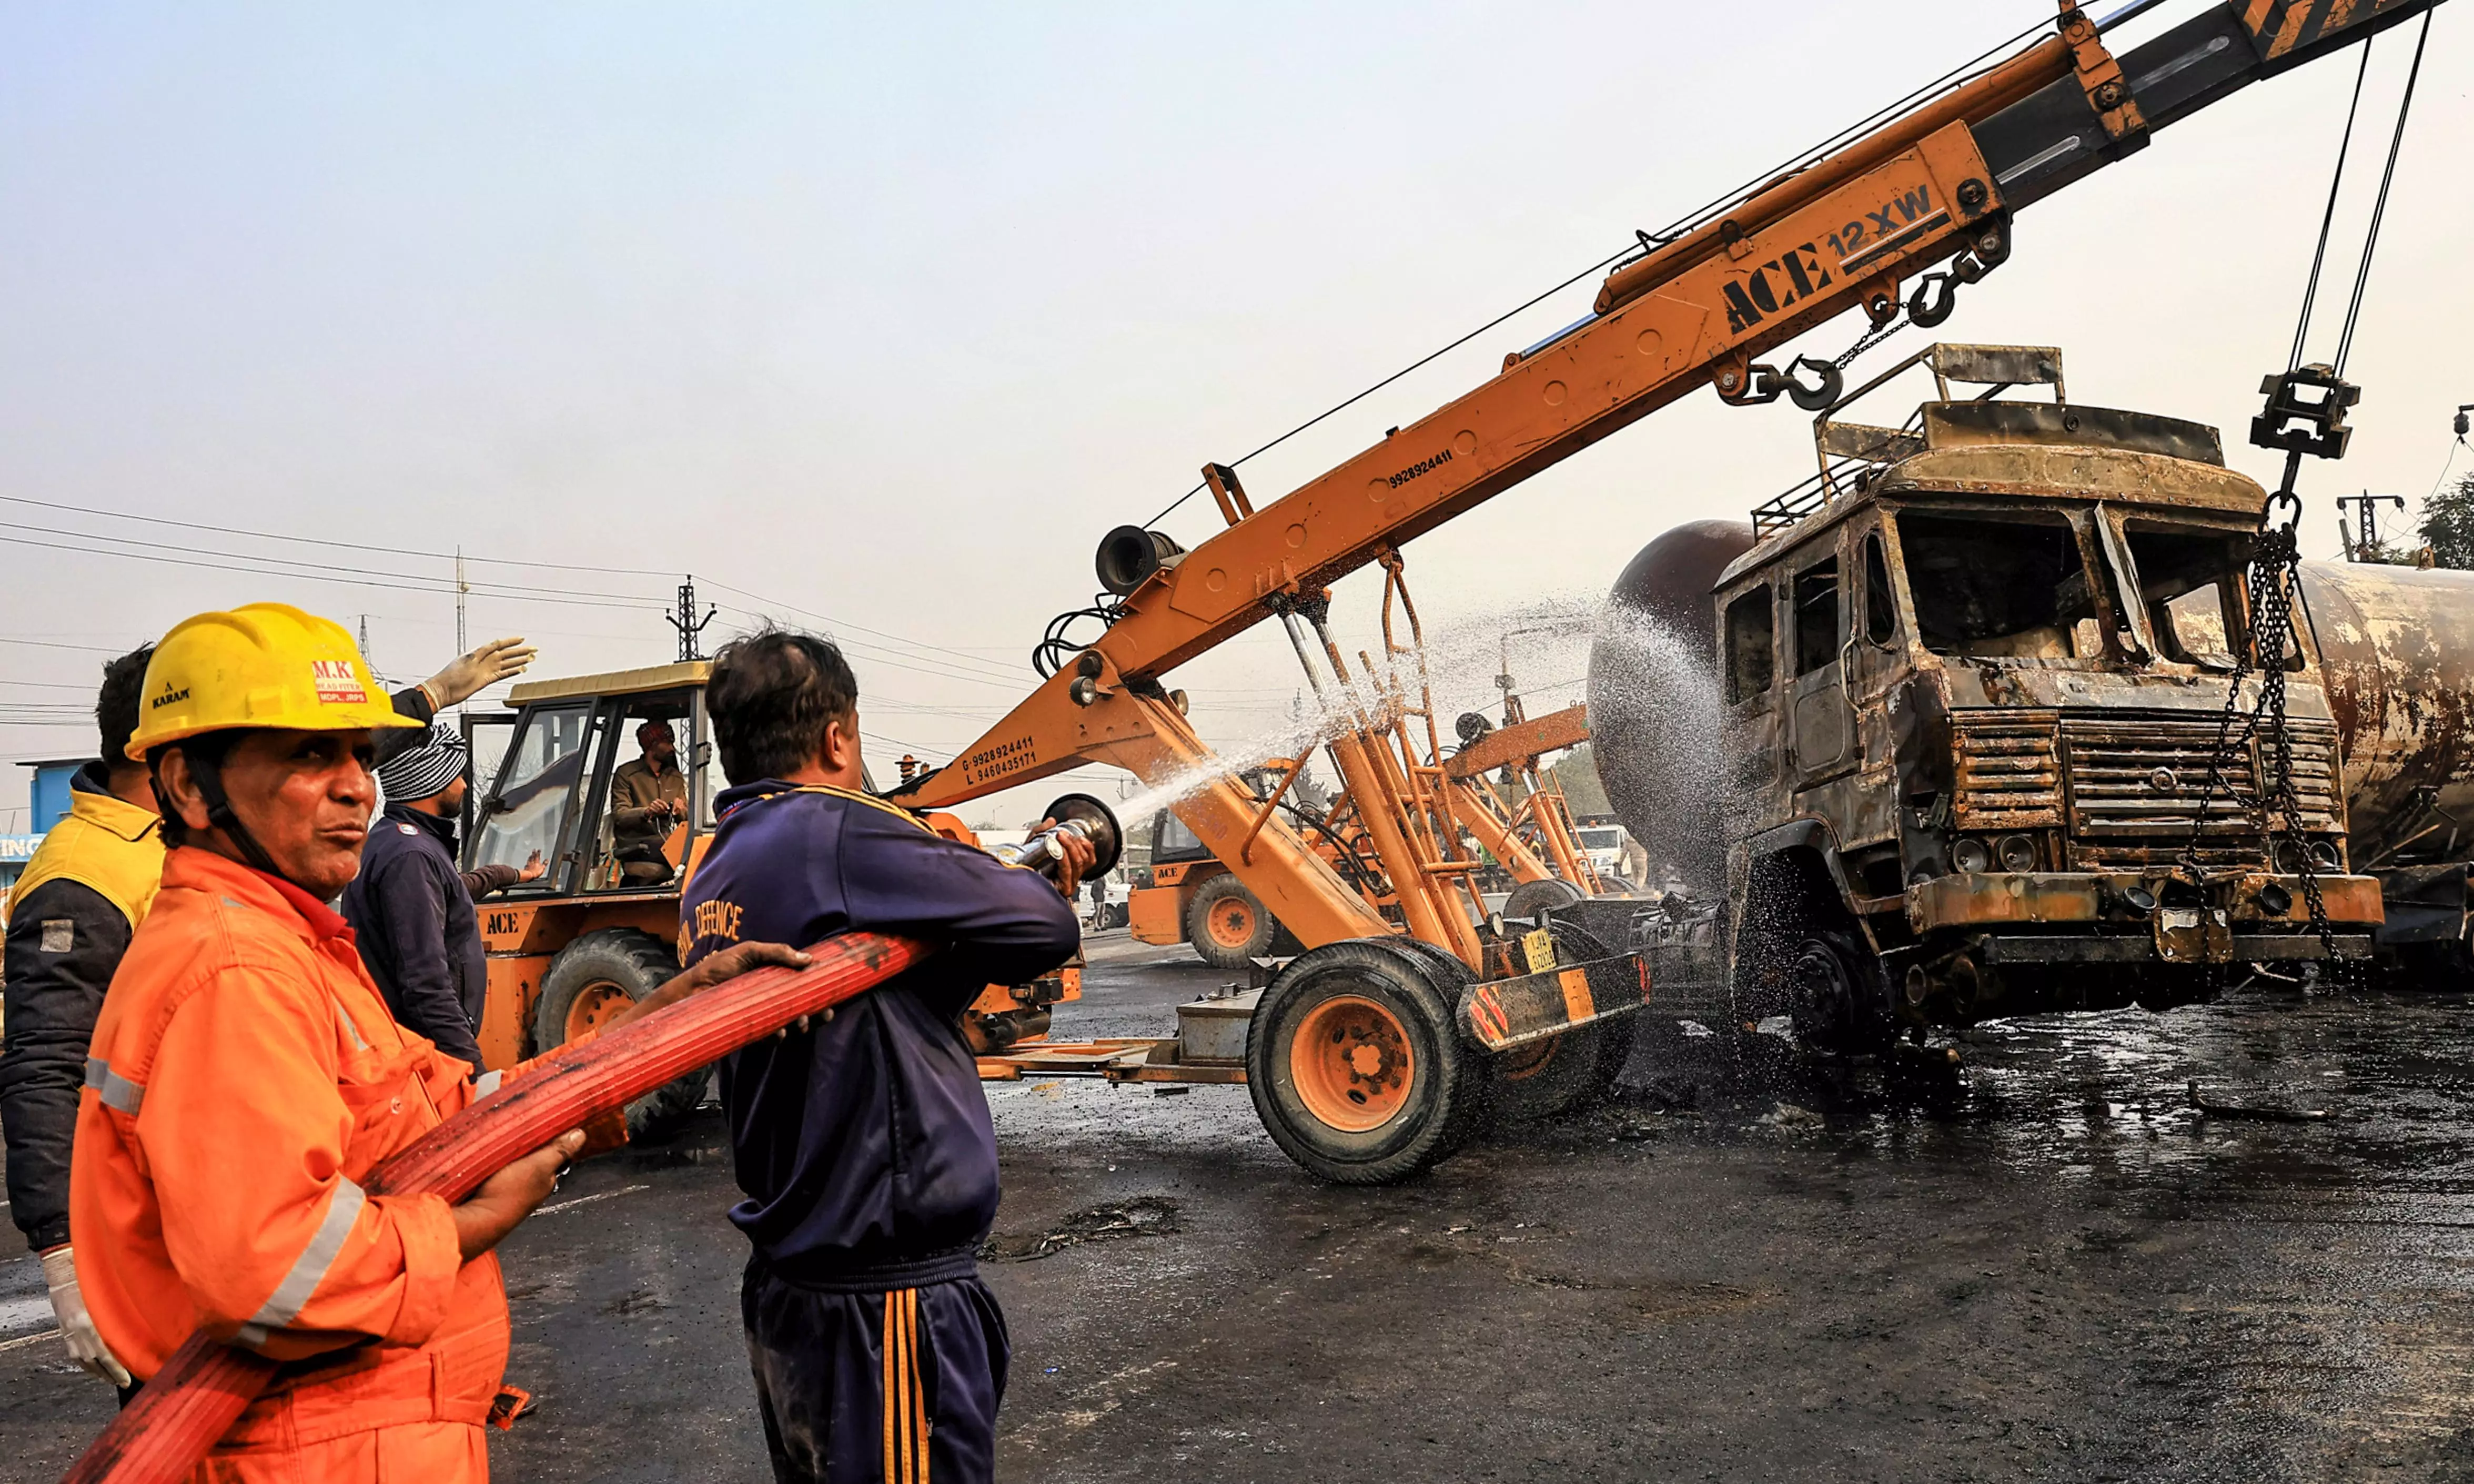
(337, 684)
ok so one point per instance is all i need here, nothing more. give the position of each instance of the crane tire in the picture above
(1357, 1067)
(1532, 897)
(1227, 924)
(1549, 1078)
(596, 975)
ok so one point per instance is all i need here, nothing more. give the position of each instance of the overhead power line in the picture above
(996, 672)
(346, 546)
(930, 659)
(311, 576)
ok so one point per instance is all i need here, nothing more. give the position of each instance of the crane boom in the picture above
(1937, 184)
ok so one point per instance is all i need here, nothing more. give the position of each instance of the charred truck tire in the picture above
(1356, 1066)
(1227, 924)
(595, 977)
(1837, 994)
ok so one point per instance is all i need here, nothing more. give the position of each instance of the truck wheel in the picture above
(1226, 924)
(1834, 995)
(1357, 1067)
(1532, 897)
(592, 979)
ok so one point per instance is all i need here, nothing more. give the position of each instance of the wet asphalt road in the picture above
(1741, 1271)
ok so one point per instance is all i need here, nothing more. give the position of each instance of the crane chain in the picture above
(2272, 583)
(1871, 338)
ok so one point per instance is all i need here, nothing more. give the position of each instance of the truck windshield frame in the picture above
(2189, 576)
(2011, 585)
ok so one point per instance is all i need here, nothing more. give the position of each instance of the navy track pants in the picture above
(877, 1388)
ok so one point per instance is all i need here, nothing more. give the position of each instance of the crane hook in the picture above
(1827, 383)
(1934, 300)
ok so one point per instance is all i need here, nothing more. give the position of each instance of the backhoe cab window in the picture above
(536, 786)
(2189, 579)
(1749, 635)
(1992, 589)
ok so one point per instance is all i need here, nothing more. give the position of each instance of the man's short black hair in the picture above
(116, 705)
(207, 750)
(771, 695)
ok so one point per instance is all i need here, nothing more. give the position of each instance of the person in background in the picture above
(411, 909)
(83, 894)
(648, 795)
(862, 1141)
(244, 1078)
(70, 917)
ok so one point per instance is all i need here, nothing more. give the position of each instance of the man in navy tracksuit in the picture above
(862, 1141)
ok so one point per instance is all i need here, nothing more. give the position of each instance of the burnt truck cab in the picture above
(1975, 673)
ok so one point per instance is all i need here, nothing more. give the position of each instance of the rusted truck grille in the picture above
(2008, 775)
(2134, 786)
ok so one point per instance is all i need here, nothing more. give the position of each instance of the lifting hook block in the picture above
(1743, 385)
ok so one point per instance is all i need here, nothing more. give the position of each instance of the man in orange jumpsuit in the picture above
(245, 1075)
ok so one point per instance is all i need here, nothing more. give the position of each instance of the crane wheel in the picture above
(1357, 1067)
(1227, 924)
(1532, 897)
(594, 978)
(1550, 1078)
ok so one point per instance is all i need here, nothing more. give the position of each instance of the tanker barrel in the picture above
(2396, 651)
(1655, 720)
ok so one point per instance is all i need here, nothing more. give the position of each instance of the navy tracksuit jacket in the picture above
(865, 1145)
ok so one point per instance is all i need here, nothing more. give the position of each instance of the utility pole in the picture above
(690, 627)
(2363, 541)
(461, 647)
(365, 645)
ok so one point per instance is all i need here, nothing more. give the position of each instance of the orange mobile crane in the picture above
(1190, 896)
(1373, 1053)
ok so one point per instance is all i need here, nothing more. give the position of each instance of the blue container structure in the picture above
(50, 796)
(51, 790)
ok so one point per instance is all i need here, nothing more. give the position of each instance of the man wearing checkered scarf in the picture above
(411, 909)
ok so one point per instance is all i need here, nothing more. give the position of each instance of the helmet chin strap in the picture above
(209, 774)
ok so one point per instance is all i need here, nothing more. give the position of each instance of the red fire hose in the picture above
(205, 1386)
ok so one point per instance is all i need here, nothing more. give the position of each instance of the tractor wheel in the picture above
(1357, 1067)
(592, 979)
(1532, 897)
(1226, 923)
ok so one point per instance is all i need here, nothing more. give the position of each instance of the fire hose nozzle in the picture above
(1077, 813)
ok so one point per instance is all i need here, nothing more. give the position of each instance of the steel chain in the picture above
(1871, 338)
(2271, 583)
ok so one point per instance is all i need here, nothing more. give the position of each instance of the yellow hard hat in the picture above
(266, 666)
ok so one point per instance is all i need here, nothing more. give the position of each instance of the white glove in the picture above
(475, 672)
(77, 1328)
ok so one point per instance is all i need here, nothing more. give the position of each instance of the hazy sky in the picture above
(889, 314)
